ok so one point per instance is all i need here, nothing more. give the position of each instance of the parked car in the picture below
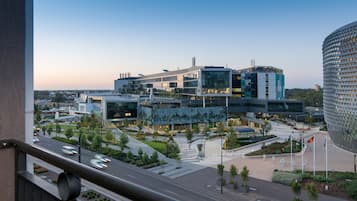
(97, 164)
(69, 150)
(102, 158)
(35, 139)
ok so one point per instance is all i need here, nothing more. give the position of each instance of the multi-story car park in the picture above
(340, 85)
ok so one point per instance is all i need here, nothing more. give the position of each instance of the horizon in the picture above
(90, 44)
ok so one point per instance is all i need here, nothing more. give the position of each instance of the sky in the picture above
(86, 44)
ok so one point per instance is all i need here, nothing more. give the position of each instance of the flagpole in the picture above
(314, 147)
(326, 158)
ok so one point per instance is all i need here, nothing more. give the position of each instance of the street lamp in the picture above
(291, 150)
(221, 164)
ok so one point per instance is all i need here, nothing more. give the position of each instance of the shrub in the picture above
(285, 177)
(351, 189)
(65, 140)
(321, 179)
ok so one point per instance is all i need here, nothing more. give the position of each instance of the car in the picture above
(102, 158)
(69, 150)
(98, 164)
(35, 139)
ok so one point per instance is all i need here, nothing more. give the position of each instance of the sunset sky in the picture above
(85, 44)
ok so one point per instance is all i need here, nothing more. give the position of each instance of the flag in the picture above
(311, 139)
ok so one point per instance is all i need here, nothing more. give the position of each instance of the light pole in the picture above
(302, 152)
(291, 152)
(79, 144)
(221, 164)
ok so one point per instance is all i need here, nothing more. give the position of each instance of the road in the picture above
(136, 175)
(260, 190)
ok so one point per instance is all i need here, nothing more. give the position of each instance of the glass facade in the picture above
(121, 110)
(215, 82)
(340, 85)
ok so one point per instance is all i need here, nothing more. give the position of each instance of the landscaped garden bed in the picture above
(167, 148)
(243, 141)
(278, 148)
(340, 184)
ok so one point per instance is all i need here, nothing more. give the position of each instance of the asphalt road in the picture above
(260, 190)
(136, 175)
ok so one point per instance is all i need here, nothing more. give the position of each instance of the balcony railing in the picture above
(68, 185)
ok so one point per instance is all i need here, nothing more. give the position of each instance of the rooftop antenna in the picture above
(193, 61)
(252, 62)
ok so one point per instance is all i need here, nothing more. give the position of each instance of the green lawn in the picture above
(158, 146)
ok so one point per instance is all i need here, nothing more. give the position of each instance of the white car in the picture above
(97, 164)
(69, 150)
(102, 158)
(35, 139)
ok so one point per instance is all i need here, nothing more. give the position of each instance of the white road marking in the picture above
(131, 176)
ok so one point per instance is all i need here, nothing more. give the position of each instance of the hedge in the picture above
(285, 177)
(66, 140)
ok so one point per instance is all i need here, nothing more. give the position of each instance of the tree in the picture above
(154, 157)
(232, 139)
(97, 142)
(230, 123)
(265, 125)
(109, 136)
(146, 159)
(220, 128)
(50, 129)
(220, 171)
(83, 141)
(244, 176)
(140, 153)
(69, 133)
(130, 155)
(126, 122)
(172, 149)
(189, 136)
(233, 173)
(123, 140)
(37, 117)
(58, 128)
(312, 191)
(44, 128)
(296, 188)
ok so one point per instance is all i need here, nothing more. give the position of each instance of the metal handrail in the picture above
(117, 185)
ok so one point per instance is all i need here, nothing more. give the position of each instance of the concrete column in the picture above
(203, 101)
(16, 81)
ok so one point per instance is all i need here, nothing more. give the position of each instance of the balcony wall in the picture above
(12, 84)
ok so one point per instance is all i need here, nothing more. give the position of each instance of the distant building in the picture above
(340, 85)
(261, 82)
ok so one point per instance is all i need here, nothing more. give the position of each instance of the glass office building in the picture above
(340, 85)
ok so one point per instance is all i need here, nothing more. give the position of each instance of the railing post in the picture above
(20, 166)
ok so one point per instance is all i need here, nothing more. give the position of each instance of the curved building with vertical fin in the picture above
(340, 85)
